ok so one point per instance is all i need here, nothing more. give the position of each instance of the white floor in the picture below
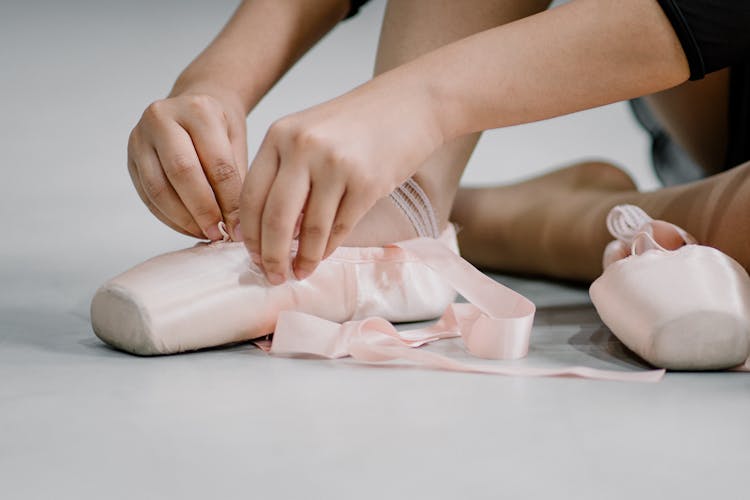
(79, 420)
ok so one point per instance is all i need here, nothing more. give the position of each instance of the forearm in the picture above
(262, 40)
(583, 54)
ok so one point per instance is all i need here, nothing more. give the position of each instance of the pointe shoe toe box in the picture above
(121, 322)
(702, 340)
(683, 310)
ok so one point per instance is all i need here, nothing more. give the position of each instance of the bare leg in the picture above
(564, 234)
(410, 29)
(696, 115)
(554, 225)
(551, 225)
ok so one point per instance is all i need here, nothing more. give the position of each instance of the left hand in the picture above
(330, 164)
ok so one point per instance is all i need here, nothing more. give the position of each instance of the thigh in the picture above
(696, 116)
(413, 27)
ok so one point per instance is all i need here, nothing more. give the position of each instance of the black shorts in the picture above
(714, 34)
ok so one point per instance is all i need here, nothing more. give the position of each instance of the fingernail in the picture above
(213, 233)
(275, 278)
(237, 233)
(301, 274)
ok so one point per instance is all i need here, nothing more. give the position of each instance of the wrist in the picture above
(423, 102)
(233, 99)
(259, 44)
(428, 99)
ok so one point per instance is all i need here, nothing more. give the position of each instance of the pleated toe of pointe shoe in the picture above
(194, 298)
(682, 310)
(118, 320)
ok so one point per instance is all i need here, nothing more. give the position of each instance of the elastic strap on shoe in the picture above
(627, 222)
(416, 206)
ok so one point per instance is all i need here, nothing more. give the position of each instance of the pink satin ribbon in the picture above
(495, 324)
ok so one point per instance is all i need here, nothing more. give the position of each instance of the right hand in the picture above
(187, 157)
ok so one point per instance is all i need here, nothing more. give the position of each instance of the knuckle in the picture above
(155, 110)
(206, 212)
(252, 243)
(306, 262)
(271, 262)
(338, 158)
(312, 231)
(201, 103)
(340, 228)
(307, 139)
(133, 141)
(154, 189)
(302, 138)
(280, 128)
(181, 165)
(233, 217)
(223, 170)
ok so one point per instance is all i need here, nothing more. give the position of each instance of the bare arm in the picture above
(261, 41)
(361, 145)
(583, 54)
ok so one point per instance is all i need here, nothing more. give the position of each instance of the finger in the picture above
(192, 230)
(239, 147)
(285, 201)
(211, 141)
(255, 190)
(238, 139)
(161, 199)
(182, 167)
(354, 205)
(320, 212)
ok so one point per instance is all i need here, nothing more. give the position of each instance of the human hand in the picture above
(330, 164)
(187, 157)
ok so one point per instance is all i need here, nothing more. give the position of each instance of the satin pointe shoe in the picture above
(677, 304)
(212, 294)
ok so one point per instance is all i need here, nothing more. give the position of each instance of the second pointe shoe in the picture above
(677, 304)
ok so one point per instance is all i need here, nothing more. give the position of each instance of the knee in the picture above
(604, 175)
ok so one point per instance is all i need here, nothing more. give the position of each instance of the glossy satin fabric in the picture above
(212, 294)
(494, 324)
(687, 308)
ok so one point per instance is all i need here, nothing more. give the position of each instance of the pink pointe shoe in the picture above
(212, 294)
(677, 304)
